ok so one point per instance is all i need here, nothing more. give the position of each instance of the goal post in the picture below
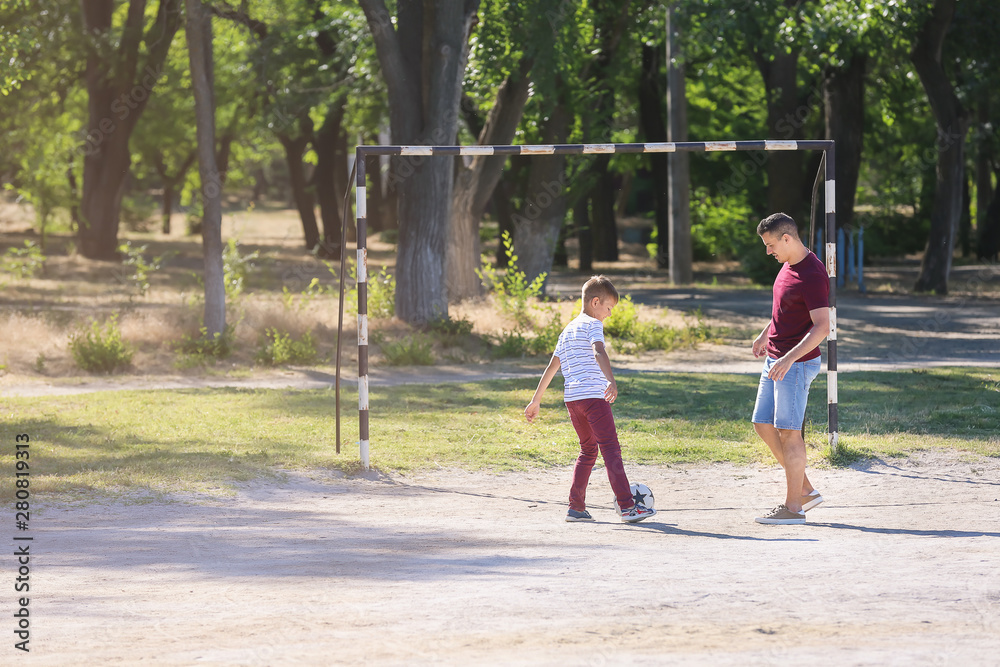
(361, 195)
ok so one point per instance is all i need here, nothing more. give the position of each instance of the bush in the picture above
(23, 262)
(381, 292)
(411, 351)
(100, 349)
(449, 331)
(512, 290)
(135, 267)
(509, 344)
(203, 346)
(277, 349)
(235, 267)
(622, 321)
(546, 338)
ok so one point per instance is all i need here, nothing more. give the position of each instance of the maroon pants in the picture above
(595, 425)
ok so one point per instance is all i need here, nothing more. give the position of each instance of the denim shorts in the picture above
(783, 404)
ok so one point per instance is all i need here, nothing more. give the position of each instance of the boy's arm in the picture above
(531, 411)
(611, 393)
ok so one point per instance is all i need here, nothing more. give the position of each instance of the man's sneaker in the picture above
(812, 500)
(583, 515)
(637, 513)
(782, 515)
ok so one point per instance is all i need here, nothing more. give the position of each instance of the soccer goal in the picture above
(588, 149)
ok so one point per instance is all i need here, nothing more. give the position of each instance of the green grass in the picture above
(206, 440)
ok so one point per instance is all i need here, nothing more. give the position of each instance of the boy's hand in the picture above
(611, 393)
(531, 411)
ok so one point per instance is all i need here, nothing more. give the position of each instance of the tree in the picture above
(198, 29)
(953, 124)
(120, 80)
(422, 57)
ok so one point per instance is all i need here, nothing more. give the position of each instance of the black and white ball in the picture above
(641, 495)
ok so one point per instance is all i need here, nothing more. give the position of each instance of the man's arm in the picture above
(821, 327)
(601, 355)
(531, 411)
(760, 342)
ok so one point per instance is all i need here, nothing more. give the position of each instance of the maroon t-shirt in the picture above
(798, 289)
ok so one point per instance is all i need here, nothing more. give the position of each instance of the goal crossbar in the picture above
(361, 198)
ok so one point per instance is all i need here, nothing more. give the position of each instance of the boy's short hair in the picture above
(778, 224)
(599, 286)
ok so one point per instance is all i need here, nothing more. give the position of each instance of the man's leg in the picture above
(772, 437)
(793, 460)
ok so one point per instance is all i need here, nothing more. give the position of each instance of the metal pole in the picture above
(831, 267)
(362, 211)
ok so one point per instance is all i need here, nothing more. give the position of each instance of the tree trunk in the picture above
(602, 213)
(984, 159)
(952, 124)
(581, 222)
(325, 182)
(536, 228)
(843, 94)
(652, 118)
(988, 230)
(199, 38)
(117, 95)
(475, 184)
(505, 216)
(785, 120)
(678, 164)
(422, 58)
(303, 197)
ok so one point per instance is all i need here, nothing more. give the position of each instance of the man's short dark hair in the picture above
(778, 224)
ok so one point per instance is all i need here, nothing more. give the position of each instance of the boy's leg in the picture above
(585, 461)
(602, 423)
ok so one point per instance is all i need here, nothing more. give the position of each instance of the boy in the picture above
(589, 390)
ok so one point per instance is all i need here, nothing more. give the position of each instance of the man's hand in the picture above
(780, 369)
(760, 345)
(531, 411)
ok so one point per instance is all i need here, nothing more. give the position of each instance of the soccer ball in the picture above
(640, 494)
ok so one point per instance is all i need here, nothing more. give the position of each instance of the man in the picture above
(800, 320)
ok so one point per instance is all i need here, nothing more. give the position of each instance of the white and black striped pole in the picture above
(831, 269)
(362, 212)
(590, 149)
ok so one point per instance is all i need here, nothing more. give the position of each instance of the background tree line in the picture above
(112, 107)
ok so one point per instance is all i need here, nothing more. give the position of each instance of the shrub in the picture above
(235, 267)
(381, 291)
(277, 349)
(203, 346)
(512, 290)
(509, 344)
(135, 268)
(100, 349)
(546, 338)
(622, 321)
(411, 351)
(23, 262)
(449, 331)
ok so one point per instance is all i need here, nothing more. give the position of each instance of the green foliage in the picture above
(412, 350)
(236, 266)
(277, 349)
(622, 321)
(450, 331)
(760, 267)
(100, 349)
(204, 347)
(381, 291)
(24, 261)
(721, 227)
(547, 336)
(299, 301)
(509, 344)
(512, 290)
(135, 267)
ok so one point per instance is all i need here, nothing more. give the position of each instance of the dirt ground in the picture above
(898, 567)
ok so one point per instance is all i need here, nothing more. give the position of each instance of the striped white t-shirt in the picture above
(583, 377)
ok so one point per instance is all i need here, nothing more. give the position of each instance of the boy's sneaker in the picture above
(812, 500)
(637, 513)
(782, 515)
(574, 515)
